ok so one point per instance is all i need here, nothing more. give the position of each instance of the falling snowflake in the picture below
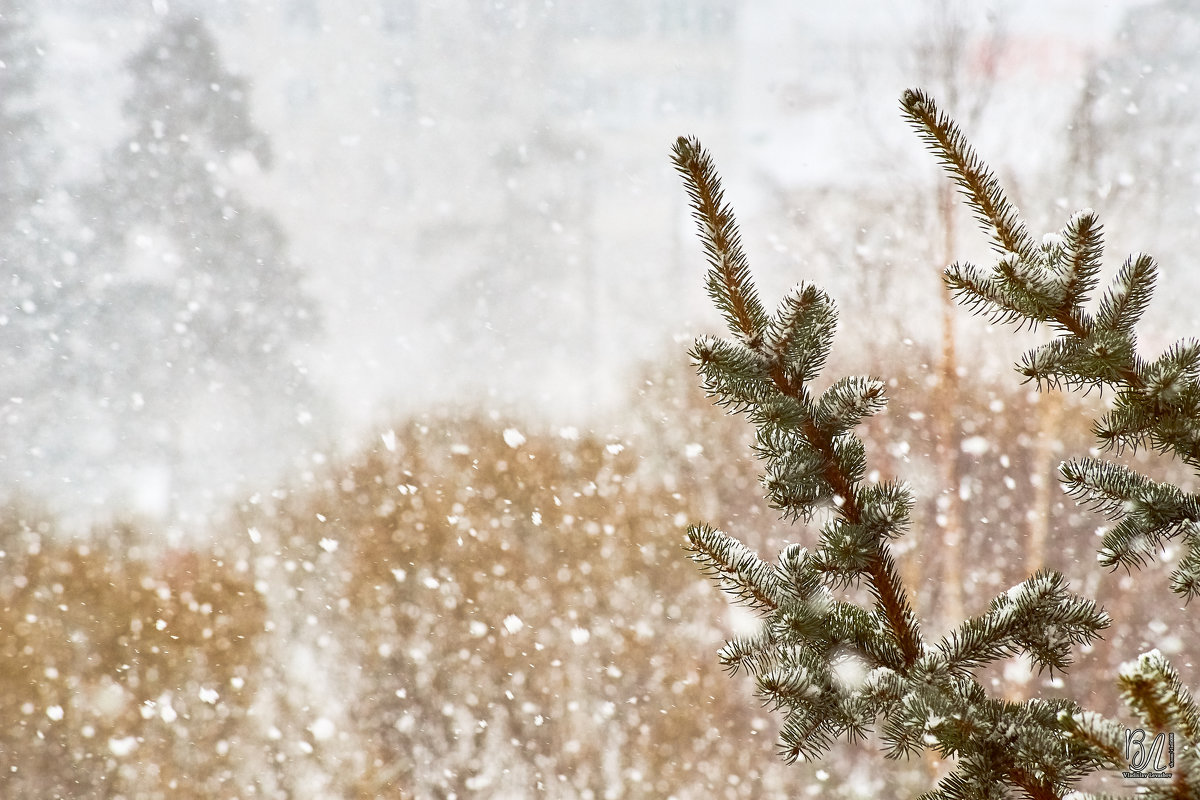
(123, 746)
(322, 729)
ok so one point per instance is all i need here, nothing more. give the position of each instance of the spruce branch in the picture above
(735, 568)
(1155, 404)
(1128, 295)
(728, 278)
(1055, 364)
(847, 402)
(1037, 617)
(730, 372)
(1099, 733)
(1185, 580)
(807, 463)
(974, 179)
(1151, 686)
(927, 696)
(1117, 490)
(754, 654)
(981, 294)
(1084, 247)
(799, 336)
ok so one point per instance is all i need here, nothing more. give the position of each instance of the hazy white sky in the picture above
(481, 193)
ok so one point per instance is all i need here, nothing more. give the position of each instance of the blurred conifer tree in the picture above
(200, 308)
(38, 282)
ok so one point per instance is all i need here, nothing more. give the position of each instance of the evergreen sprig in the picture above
(1151, 686)
(834, 668)
(728, 278)
(1037, 617)
(811, 456)
(1155, 404)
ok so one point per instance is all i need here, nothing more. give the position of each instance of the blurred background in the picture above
(349, 434)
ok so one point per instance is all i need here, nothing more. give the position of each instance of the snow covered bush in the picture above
(836, 659)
